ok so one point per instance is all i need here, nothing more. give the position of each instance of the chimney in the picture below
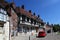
(38, 16)
(34, 14)
(47, 23)
(29, 11)
(22, 6)
(13, 5)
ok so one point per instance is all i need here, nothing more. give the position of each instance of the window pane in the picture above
(5, 17)
(1, 17)
(5, 12)
(1, 10)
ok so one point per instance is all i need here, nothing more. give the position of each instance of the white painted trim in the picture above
(27, 23)
(21, 18)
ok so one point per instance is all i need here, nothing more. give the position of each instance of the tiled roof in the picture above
(19, 10)
(23, 12)
(28, 14)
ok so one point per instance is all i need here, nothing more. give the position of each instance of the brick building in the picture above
(28, 22)
(16, 19)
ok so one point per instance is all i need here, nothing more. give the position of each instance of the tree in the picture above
(56, 27)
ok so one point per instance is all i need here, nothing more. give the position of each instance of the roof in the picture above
(28, 14)
(23, 12)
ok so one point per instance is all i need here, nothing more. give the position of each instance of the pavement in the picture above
(24, 37)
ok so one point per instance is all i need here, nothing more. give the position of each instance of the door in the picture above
(1, 33)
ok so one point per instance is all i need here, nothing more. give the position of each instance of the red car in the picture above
(41, 34)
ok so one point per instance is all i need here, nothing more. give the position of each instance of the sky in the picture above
(49, 10)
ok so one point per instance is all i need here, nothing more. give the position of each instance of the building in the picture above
(4, 21)
(48, 28)
(8, 19)
(28, 22)
(13, 20)
(16, 19)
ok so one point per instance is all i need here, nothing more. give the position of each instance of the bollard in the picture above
(29, 37)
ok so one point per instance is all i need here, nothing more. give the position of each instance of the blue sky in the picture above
(49, 10)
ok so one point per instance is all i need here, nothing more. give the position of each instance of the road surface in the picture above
(50, 36)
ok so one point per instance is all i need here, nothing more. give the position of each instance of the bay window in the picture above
(3, 15)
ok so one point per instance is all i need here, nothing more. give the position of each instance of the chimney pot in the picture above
(38, 16)
(29, 11)
(22, 6)
(34, 14)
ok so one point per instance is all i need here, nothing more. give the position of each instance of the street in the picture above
(52, 36)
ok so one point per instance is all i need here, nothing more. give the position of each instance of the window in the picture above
(32, 28)
(28, 19)
(2, 11)
(34, 22)
(25, 29)
(31, 21)
(23, 18)
(20, 29)
(20, 17)
(3, 15)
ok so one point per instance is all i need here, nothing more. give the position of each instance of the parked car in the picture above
(49, 31)
(42, 34)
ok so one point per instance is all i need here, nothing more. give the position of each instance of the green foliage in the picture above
(56, 27)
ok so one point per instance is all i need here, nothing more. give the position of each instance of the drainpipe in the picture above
(18, 22)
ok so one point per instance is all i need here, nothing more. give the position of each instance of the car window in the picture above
(41, 32)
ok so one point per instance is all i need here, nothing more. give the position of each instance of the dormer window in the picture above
(34, 22)
(31, 21)
(28, 19)
(23, 18)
